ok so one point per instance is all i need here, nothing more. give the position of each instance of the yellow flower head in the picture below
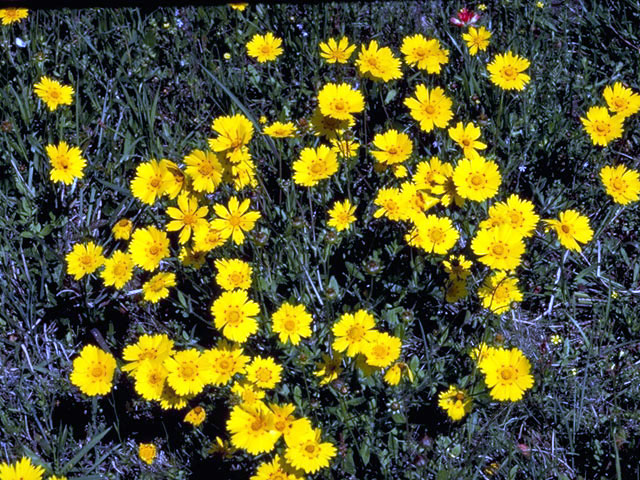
(392, 204)
(466, 136)
(329, 369)
(174, 180)
(498, 248)
(426, 54)
(456, 402)
(234, 313)
(572, 227)
(381, 349)
(264, 48)
(148, 348)
(187, 217)
(292, 322)
(477, 179)
(66, 163)
(151, 378)
(340, 101)
(621, 183)
(150, 181)
(351, 331)
(427, 172)
(251, 428)
(394, 147)
(223, 362)
(53, 93)
(248, 394)
(170, 400)
(622, 100)
(185, 372)
(280, 130)
(122, 229)
(458, 267)
(274, 470)
(204, 169)
(433, 234)
(378, 63)
(148, 247)
(147, 452)
(515, 213)
(190, 257)
(602, 127)
(314, 165)
(477, 39)
(238, 6)
(506, 71)
(13, 15)
(195, 416)
(84, 259)
(507, 374)
(23, 469)
(233, 274)
(394, 373)
(93, 371)
(208, 237)
(329, 127)
(235, 219)
(157, 287)
(339, 52)
(432, 108)
(234, 133)
(342, 215)
(345, 148)
(264, 372)
(498, 292)
(118, 269)
(308, 453)
(415, 201)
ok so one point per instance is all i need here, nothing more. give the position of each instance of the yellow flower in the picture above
(339, 52)
(342, 215)
(23, 468)
(432, 108)
(433, 234)
(455, 402)
(233, 273)
(378, 63)
(477, 39)
(205, 170)
(481, 352)
(12, 15)
(148, 247)
(251, 428)
(53, 93)
(157, 287)
(84, 259)
(185, 372)
(187, 217)
(238, 6)
(280, 130)
(498, 248)
(118, 269)
(234, 133)
(274, 470)
(220, 364)
(506, 71)
(467, 137)
(93, 371)
(515, 213)
(477, 179)
(264, 48)
(622, 100)
(150, 181)
(393, 375)
(264, 372)
(314, 165)
(345, 148)
(234, 313)
(191, 257)
(498, 292)
(340, 101)
(148, 348)
(262, 119)
(235, 219)
(351, 330)
(572, 227)
(391, 204)
(507, 374)
(427, 171)
(170, 400)
(66, 163)
(329, 369)
(394, 147)
(308, 453)
(147, 452)
(207, 237)
(415, 201)
(621, 183)
(601, 127)
(556, 339)
(329, 127)
(122, 229)
(151, 377)
(174, 179)
(195, 416)
(427, 54)
(248, 394)
(381, 349)
(292, 322)
(458, 267)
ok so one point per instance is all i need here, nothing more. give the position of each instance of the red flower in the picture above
(465, 18)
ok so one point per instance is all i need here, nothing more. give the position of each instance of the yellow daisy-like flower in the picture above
(93, 371)
(481, 352)
(23, 469)
(477, 179)
(292, 322)
(427, 172)
(378, 63)
(118, 269)
(233, 274)
(190, 257)
(13, 15)
(507, 374)
(238, 6)
(333, 51)
(506, 71)
(426, 54)
(148, 348)
(381, 349)
(283, 419)
(205, 170)
(150, 181)
(150, 380)
(329, 368)
(187, 217)
(185, 372)
(391, 203)
(458, 267)
(66, 163)
(329, 127)
(234, 133)
(235, 219)
(340, 101)
(477, 39)
(280, 130)
(157, 287)
(394, 147)
(621, 183)
(433, 234)
(455, 401)
(345, 148)
(195, 416)
(572, 227)
(395, 373)
(147, 452)
(264, 48)
(342, 215)
(516, 213)
(234, 313)
(498, 292)
(314, 165)
(53, 93)
(170, 400)
(248, 394)
(122, 229)
(264, 372)
(309, 453)
(467, 137)
(220, 364)
(274, 470)
(251, 428)
(148, 247)
(415, 201)
(432, 108)
(602, 127)
(351, 332)
(498, 248)
(622, 100)
(84, 259)
(208, 237)
(174, 179)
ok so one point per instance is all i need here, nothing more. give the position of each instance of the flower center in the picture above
(436, 235)
(154, 250)
(290, 325)
(379, 351)
(317, 168)
(235, 220)
(188, 371)
(224, 364)
(619, 184)
(501, 294)
(619, 103)
(98, 371)
(86, 260)
(310, 448)
(120, 270)
(393, 151)
(498, 250)
(339, 105)
(205, 169)
(155, 182)
(507, 373)
(601, 128)
(516, 218)
(466, 142)
(509, 72)
(355, 333)
(256, 425)
(429, 109)
(189, 219)
(477, 180)
(565, 228)
(263, 374)
(233, 318)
